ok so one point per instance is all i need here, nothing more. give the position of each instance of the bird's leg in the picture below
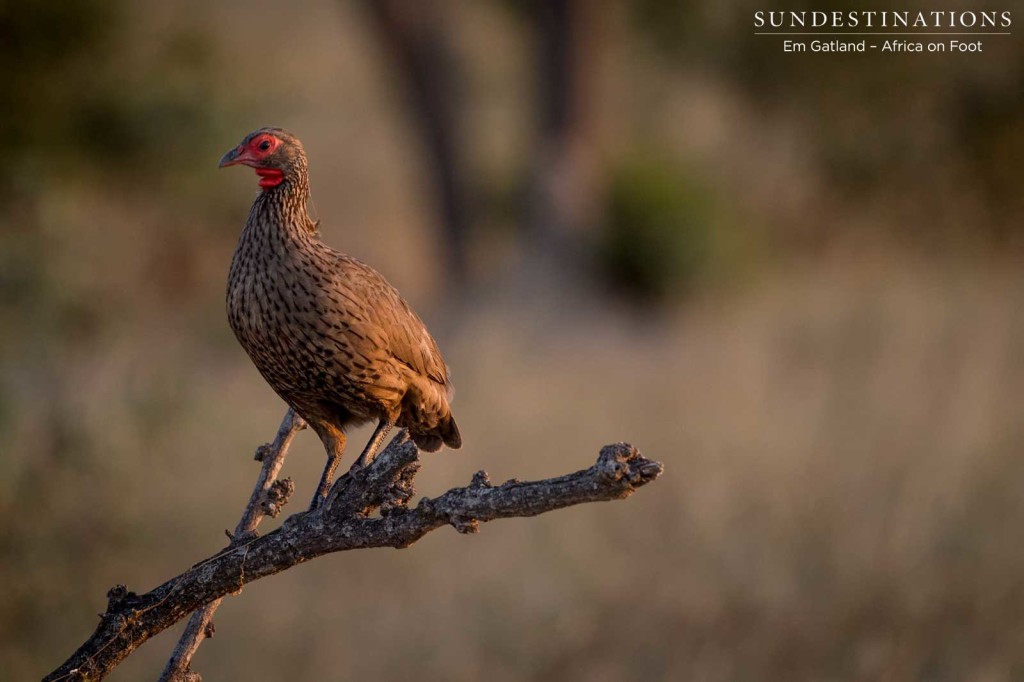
(334, 443)
(370, 451)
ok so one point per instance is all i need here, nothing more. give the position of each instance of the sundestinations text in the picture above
(882, 19)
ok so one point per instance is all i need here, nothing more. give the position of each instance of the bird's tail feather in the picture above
(450, 433)
(445, 433)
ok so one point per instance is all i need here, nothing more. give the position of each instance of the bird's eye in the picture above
(265, 145)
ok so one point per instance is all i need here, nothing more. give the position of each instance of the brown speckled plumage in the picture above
(327, 332)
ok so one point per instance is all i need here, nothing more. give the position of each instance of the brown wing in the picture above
(389, 321)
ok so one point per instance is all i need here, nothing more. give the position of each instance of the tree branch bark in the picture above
(365, 508)
(267, 499)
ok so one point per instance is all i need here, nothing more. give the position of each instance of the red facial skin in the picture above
(269, 177)
(254, 154)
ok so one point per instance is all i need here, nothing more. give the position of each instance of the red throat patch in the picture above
(269, 177)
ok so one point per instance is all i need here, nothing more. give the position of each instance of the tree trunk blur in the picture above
(564, 179)
(564, 186)
(411, 31)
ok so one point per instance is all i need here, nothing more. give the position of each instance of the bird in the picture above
(327, 332)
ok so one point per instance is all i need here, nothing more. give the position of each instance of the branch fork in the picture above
(366, 507)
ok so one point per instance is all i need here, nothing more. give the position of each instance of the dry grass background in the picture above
(841, 432)
(841, 499)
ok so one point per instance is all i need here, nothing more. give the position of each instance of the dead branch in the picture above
(267, 499)
(365, 508)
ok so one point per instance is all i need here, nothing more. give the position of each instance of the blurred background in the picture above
(794, 279)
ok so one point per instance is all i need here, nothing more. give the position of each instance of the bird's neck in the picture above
(283, 208)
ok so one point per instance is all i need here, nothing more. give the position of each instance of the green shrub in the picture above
(657, 239)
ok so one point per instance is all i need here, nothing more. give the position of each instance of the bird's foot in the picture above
(320, 500)
(317, 503)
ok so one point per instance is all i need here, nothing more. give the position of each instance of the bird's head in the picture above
(275, 154)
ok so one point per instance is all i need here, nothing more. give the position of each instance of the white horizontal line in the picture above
(872, 33)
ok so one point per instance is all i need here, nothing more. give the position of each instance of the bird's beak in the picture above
(232, 158)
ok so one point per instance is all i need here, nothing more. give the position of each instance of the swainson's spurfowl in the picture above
(329, 334)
